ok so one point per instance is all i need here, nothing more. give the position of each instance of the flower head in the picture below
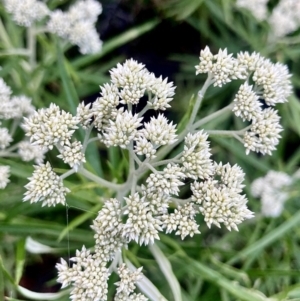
(26, 12)
(29, 152)
(141, 226)
(108, 229)
(123, 130)
(4, 176)
(45, 186)
(72, 154)
(88, 275)
(159, 131)
(220, 200)
(196, 156)
(50, 126)
(271, 189)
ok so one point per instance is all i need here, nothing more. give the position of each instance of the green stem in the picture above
(14, 126)
(8, 154)
(226, 133)
(31, 45)
(198, 102)
(99, 180)
(212, 116)
(164, 162)
(67, 174)
(86, 140)
(144, 110)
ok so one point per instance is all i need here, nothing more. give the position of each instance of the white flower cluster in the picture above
(48, 128)
(196, 156)
(220, 197)
(89, 274)
(266, 83)
(15, 107)
(72, 154)
(283, 19)
(273, 192)
(51, 126)
(29, 152)
(26, 12)
(222, 66)
(45, 186)
(258, 8)
(118, 127)
(4, 176)
(148, 202)
(77, 25)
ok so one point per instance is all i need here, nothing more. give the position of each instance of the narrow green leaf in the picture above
(20, 260)
(5, 273)
(40, 296)
(258, 246)
(232, 287)
(71, 94)
(186, 117)
(146, 286)
(166, 268)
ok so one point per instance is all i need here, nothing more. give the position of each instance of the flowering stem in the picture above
(8, 154)
(166, 149)
(14, 126)
(86, 138)
(99, 180)
(31, 45)
(67, 174)
(92, 140)
(164, 162)
(11, 149)
(135, 157)
(145, 109)
(226, 133)
(212, 116)
(201, 94)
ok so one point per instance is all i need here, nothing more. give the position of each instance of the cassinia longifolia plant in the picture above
(148, 201)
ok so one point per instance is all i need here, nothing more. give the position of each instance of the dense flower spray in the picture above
(283, 19)
(76, 26)
(149, 200)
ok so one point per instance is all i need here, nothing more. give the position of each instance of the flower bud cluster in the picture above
(272, 189)
(77, 25)
(88, 275)
(267, 84)
(12, 110)
(45, 186)
(220, 197)
(258, 8)
(26, 12)
(283, 19)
